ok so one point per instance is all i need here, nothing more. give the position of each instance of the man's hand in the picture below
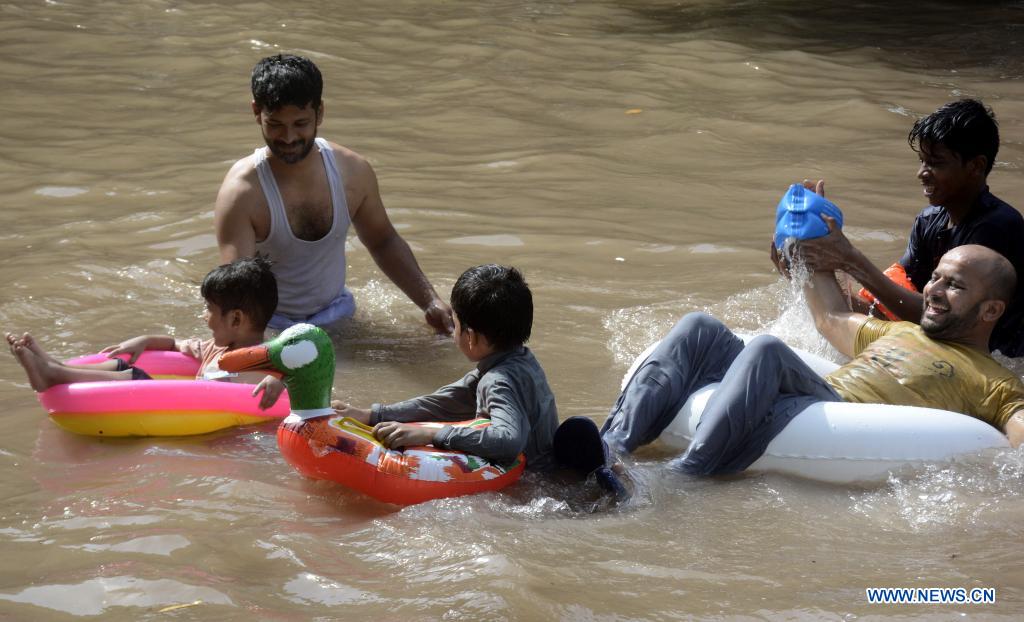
(828, 253)
(439, 316)
(394, 435)
(362, 415)
(780, 260)
(781, 264)
(272, 388)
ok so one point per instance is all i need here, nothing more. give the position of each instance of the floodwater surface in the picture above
(627, 156)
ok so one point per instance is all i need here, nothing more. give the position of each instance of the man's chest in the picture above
(309, 210)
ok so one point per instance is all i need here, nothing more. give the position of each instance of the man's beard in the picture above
(952, 326)
(291, 154)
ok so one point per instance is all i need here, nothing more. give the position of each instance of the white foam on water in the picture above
(501, 239)
(61, 191)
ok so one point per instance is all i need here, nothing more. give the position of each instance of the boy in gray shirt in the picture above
(493, 319)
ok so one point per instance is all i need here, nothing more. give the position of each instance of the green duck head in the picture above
(304, 354)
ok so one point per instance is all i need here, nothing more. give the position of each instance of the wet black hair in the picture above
(286, 80)
(496, 302)
(246, 284)
(966, 127)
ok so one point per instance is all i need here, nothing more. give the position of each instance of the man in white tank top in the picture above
(293, 201)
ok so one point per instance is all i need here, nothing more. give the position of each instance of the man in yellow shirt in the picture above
(943, 363)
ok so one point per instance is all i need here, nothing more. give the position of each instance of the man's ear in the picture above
(320, 114)
(977, 165)
(992, 310)
(256, 110)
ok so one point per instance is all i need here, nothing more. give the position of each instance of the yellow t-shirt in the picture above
(896, 363)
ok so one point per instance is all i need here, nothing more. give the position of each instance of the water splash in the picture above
(975, 491)
(778, 309)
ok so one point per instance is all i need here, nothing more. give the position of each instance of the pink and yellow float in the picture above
(174, 403)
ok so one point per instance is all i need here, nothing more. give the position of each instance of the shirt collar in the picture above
(488, 362)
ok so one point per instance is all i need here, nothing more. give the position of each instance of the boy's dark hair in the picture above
(496, 302)
(966, 127)
(246, 284)
(286, 80)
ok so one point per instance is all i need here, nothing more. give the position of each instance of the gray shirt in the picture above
(511, 390)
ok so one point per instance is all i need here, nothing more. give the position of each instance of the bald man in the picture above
(942, 363)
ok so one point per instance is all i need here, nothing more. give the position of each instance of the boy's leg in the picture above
(110, 365)
(767, 385)
(29, 341)
(33, 345)
(43, 373)
(696, 352)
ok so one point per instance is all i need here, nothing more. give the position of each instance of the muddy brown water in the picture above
(627, 156)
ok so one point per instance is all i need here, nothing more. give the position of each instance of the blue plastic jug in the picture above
(799, 215)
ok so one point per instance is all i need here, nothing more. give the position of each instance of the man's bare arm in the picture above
(835, 252)
(232, 221)
(832, 316)
(392, 254)
(1014, 429)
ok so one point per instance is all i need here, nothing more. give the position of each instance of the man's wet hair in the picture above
(286, 80)
(966, 127)
(496, 302)
(246, 284)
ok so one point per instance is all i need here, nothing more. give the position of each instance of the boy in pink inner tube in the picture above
(240, 298)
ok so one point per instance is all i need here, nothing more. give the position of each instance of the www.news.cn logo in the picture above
(932, 595)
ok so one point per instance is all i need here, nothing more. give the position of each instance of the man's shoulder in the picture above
(928, 223)
(930, 216)
(346, 156)
(241, 183)
(243, 167)
(1001, 212)
(876, 328)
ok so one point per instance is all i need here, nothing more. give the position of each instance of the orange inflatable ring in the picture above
(898, 275)
(343, 450)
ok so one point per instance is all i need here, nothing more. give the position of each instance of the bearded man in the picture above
(943, 363)
(294, 199)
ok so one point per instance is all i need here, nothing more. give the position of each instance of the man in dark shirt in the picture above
(957, 146)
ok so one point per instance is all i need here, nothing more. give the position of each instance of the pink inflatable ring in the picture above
(174, 403)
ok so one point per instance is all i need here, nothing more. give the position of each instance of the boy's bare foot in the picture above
(30, 342)
(39, 371)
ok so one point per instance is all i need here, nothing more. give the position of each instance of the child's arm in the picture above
(452, 402)
(502, 441)
(362, 415)
(137, 345)
(505, 438)
(272, 388)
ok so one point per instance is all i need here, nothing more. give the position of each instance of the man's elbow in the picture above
(382, 245)
(1014, 430)
(823, 324)
(229, 253)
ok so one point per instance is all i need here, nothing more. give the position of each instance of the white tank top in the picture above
(310, 275)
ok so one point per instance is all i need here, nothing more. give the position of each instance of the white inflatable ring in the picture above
(844, 442)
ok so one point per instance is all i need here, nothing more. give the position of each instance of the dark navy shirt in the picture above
(992, 223)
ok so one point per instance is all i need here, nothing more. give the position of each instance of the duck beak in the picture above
(246, 359)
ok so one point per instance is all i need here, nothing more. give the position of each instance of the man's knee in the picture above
(766, 345)
(695, 323)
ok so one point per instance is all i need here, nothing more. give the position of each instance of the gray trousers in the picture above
(763, 386)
